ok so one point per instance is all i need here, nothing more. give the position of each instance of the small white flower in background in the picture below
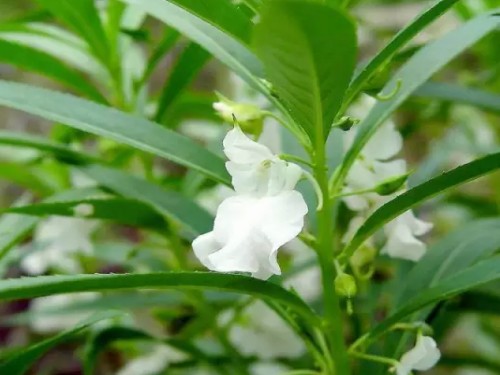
(373, 167)
(156, 361)
(265, 214)
(83, 209)
(47, 315)
(268, 368)
(58, 240)
(422, 357)
(259, 331)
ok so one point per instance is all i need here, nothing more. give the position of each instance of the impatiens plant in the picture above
(250, 187)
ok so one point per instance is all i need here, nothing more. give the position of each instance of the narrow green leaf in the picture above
(480, 274)
(213, 37)
(453, 253)
(118, 210)
(14, 228)
(420, 193)
(33, 60)
(108, 122)
(193, 218)
(427, 61)
(187, 66)
(20, 362)
(308, 63)
(226, 16)
(83, 18)
(382, 58)
(60, 151)
(458, 94)
(32, 287)
(26, 176)
(162, 47)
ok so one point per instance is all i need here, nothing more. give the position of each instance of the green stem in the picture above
(332, 311)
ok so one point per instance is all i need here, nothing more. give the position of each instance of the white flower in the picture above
(401, 237)
(372, 168)
(83, 209)
(268, 368)
(58, 240)
(265, 214)
(422, 357)
(260, 332)
(248, 231)
(255, 169)
(155, 362)
(48, 315)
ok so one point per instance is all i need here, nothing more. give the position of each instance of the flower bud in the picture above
(392, 185)
(362, 261)
(346, 123)
(345, 285)
(248, 116)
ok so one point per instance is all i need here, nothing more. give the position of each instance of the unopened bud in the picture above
(346, 123)
(248, 116)
(392, 185)
(345, 285)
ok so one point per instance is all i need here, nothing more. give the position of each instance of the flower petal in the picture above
(401, 243)
(204, 246)
(384, 144)
(242, 150)
(423, 356)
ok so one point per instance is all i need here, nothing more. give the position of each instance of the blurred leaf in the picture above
(83, 18)
(308, 63)
(26, 176)
(31, 287)
(215, 38)
(167, 202)
(15, 228)
(60, 151)
(420, 193)
(427, 61)
(20, 362)
(33, 60)
(383, 57)
(187, 66)
(56, 42)
(118, 210)
(162, 47)
(453, 253)
(479, 274)
(454, 93)
(478, 302)
(108, 122)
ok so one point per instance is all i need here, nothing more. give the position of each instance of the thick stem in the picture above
(332, 311)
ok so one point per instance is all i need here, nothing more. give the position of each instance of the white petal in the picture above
(356, 202)
(422, 357)
(205, 245)
(388, 169)
(384, 144)
(242, 150)
(401, 243)
(361, 176)
(417, 226)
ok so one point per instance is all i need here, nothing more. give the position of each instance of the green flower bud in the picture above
(346, 123)
(249, 117)
(392, 185)
(345, 285)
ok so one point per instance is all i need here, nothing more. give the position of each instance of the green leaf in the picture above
(83, 18)
(20, 362)
(193, 218)
(33, 60)
(14, 229)
(480, 274)
(420, 193)
(187, 66)
(458, 94)
(309, 64)
(427, 61)
(32, 287)
(60, 151)
(455, 252)
(108, 122)
(25, 176)
(162, 47)
(382, 58)
(215, 38)
(226, 16)
(118, 210)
